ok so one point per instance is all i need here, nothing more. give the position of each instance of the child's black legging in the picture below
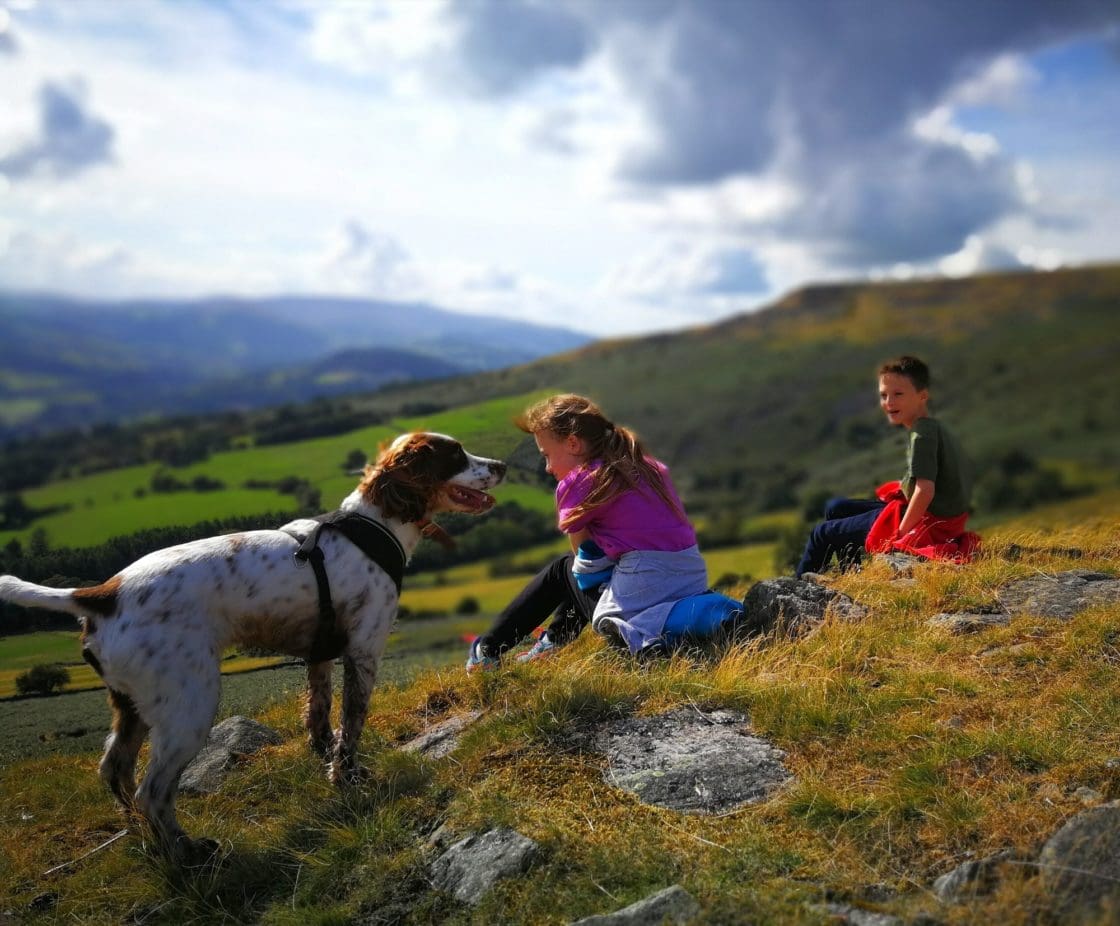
(552, 590)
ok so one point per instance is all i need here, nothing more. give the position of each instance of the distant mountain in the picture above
(349, 371)
(66, 362)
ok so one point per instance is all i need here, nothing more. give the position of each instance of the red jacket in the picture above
(932, 537)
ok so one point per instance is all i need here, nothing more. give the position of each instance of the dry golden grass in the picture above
(913, 750)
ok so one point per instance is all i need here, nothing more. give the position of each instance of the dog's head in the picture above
(421, 474)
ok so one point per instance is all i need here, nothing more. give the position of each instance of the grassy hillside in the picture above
(762, 412)
(784, 399)
(912, 749)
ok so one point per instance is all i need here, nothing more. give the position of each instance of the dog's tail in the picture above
(80, 602)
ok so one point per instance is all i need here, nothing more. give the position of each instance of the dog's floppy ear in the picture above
(400, 483)
(397, 496)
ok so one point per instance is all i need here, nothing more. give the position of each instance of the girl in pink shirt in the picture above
(619, 507)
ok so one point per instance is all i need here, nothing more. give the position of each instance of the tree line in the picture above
(179, 441)
(503, 530)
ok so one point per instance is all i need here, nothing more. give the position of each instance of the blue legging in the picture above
(846, 524)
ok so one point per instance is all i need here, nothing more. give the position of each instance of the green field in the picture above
(77, 722)
(117, 503)
(21, 652)
(484, 427)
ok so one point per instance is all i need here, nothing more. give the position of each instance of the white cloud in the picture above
(615, 165)
(683, 268)
(937, 126)
(370, 264)
(386, 38)
(979, 255)
(1004, 82)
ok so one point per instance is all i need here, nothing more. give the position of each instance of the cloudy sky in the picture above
(611, 165)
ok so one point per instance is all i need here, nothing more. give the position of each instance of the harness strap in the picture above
(373, 539)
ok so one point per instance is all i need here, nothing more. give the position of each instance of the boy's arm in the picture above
(924, 490)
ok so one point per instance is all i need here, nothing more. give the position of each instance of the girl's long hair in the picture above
(624, 463)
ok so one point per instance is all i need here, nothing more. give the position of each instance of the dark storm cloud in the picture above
(822, 94)
(70, 139)
(733, 78)
(902, 200)
(503, 44)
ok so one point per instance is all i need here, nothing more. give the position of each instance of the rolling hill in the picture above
(764, 409)
(761, 412)
(67, 362)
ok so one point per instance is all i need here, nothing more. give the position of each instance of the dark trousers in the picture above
(842, 533)
(552, 590)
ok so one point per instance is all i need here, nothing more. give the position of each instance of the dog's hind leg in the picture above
(118, 765)
(317, 713)
(179, 731)
(359, 674)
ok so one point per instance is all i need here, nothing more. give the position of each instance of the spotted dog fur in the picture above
(156, 631)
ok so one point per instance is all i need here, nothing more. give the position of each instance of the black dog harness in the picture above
(372, 538)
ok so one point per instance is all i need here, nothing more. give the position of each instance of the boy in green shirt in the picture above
(926, 511)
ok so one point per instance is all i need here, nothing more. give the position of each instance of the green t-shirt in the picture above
(933, 453)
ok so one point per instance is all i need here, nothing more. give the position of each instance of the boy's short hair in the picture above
(910, 367)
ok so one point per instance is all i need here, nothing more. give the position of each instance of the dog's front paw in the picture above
(349, 774)
(322, 746)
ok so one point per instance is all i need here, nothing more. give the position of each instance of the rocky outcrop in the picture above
(471, 867)
(1080, 864)
(843, 914)
(971, 879)
(901, 565)
(690, 760)
(792, 607)
(1059, 596)
(1078, 868)
(441, 739)
(674, 906)
(233, 738)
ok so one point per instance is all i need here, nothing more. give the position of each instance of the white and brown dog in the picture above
(156, 631)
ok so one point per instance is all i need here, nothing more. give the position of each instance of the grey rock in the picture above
(690, 761)
(971, 879)
(441, 837)
(900, 564)
(878, 893)
(1089, 796)
(855, 916)
(470, 867)
(673, 905)
(1080, 864)
(960, 622)
(1061, 595)
(441, 739)
(233, 737)
(793, 607)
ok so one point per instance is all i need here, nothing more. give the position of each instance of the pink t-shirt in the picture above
(636, 519)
